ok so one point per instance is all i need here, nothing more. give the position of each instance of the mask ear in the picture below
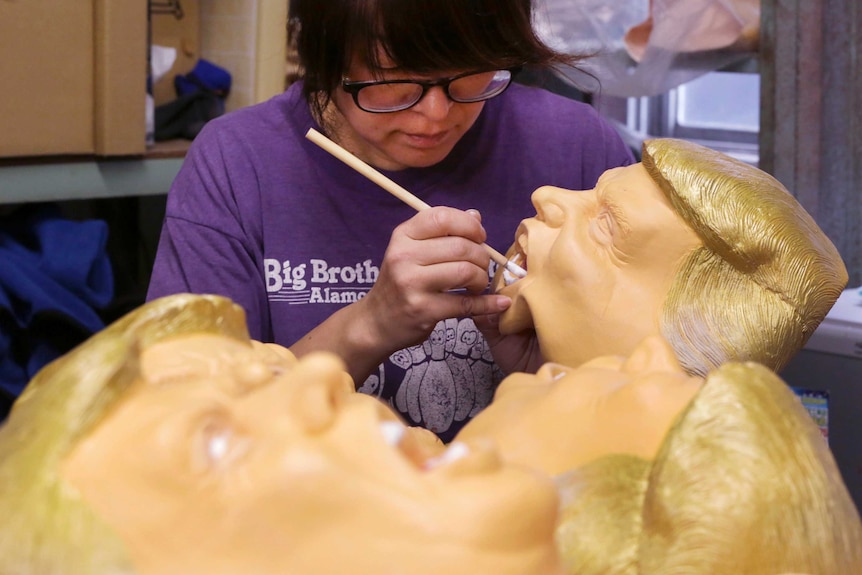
(322, 385)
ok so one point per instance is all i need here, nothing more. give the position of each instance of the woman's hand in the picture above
(434, 268)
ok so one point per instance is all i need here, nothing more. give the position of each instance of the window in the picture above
(720, 110)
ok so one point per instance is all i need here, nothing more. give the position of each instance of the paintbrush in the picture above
(397, 190)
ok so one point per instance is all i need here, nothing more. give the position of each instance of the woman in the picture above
(322, 259)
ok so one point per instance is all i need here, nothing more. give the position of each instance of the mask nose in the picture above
(310, 394)
(554, 204)
(653, 354)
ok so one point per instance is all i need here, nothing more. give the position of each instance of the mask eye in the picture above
(217, 446)
(216, 439)
(217, 442)
(603, 227)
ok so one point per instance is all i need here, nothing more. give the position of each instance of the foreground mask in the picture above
(562, 418)
(170, 443)
(231, 458)
(661, 472)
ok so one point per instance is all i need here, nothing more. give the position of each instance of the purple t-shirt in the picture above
(264, 216)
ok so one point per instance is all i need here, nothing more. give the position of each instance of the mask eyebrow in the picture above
(234, 371)
(180, 365)
(608, 202)
(607, 175)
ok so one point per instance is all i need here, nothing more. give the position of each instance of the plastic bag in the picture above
(646, 47)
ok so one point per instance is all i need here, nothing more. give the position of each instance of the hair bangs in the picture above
(427, 36)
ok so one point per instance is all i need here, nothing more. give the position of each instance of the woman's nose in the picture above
(435, 104)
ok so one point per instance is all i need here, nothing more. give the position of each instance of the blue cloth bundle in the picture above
(55, 274)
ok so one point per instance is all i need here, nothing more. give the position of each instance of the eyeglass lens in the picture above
(402, 95)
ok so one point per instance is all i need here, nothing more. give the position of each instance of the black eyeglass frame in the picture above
(353, 88)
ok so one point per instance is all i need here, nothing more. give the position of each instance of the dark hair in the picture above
(421, 36)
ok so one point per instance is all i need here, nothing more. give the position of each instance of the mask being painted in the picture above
(706, 251)
(598, 262)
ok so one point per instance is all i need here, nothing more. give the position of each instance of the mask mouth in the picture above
(457, 458)
(395, 435)
(518, 259)
(517, 255)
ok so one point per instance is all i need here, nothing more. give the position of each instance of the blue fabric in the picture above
(54, 275)
(204, 76)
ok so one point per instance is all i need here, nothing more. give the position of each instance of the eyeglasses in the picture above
(395, 95)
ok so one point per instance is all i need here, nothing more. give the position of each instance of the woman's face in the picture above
(418, 137)
(227, 458)
(599, 266)
(561, 418)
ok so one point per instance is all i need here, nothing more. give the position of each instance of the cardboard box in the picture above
(72, 77)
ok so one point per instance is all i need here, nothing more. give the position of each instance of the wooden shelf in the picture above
(59, 178)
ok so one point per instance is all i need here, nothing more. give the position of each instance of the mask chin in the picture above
(518, 317)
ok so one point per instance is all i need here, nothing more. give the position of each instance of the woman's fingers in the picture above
(434, 268)
(441, 222)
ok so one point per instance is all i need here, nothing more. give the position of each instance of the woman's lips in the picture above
(427, 140)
